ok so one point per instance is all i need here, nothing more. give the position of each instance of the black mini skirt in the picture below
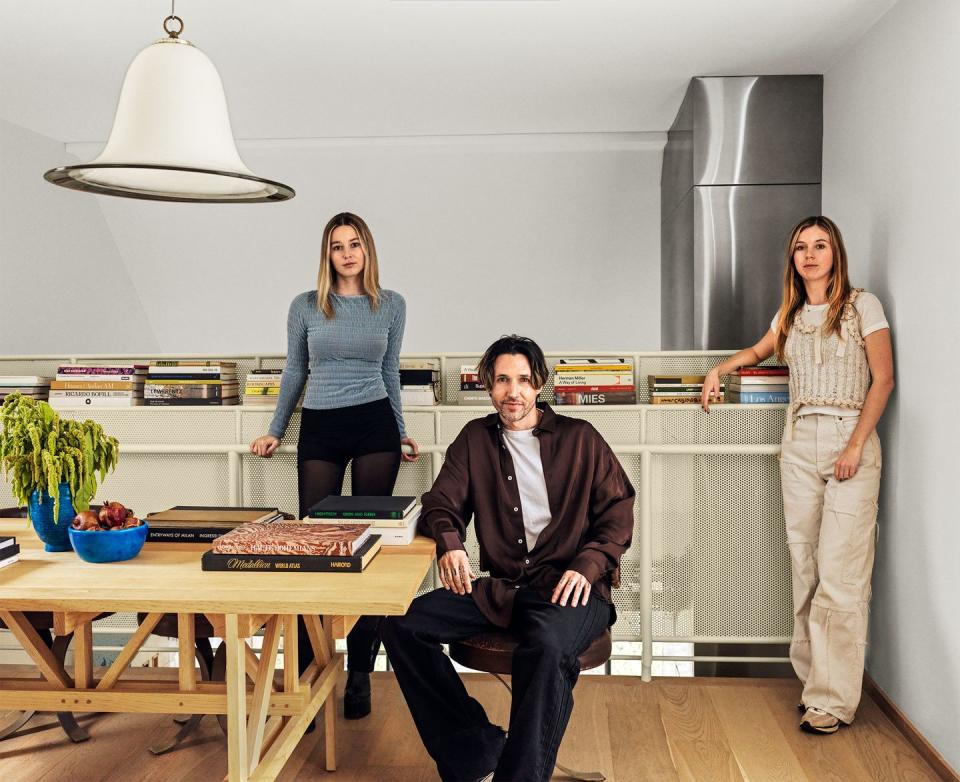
(339, 434)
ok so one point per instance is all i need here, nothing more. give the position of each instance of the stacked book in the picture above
(394, 519)
(203, 523)
(34, 386)
(294, 548)
(760, 385)
(419, 381)
(679, 390)
(594, 381)
(262, 388)
(191, 383)
(9, 551)
(98, 385)
(472, 391)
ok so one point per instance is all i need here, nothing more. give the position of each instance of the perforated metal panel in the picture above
(152, 482)
(720, 561)
(743, 424)
(178, 425)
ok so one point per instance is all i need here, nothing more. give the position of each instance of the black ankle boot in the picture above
(356, 697)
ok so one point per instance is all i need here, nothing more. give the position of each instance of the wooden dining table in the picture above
(265, 718)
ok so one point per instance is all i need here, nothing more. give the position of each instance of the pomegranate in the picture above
(115, 514)
(84, 520)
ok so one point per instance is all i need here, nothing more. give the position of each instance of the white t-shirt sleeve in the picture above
(773, 323)
(872, 317)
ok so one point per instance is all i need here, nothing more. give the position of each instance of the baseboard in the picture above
(913, 736)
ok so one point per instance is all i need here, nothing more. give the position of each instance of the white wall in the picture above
(63, 283)
(553, 236)
(891, 168)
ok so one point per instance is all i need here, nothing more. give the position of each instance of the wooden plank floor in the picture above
(688, 730)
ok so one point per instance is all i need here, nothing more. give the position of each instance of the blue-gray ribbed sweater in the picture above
(353, 357)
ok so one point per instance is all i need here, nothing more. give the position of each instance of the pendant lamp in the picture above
(171, 137)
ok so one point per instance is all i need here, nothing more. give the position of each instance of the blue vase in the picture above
(55, 535)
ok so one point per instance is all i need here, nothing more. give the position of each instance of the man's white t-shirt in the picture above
(872, 318)
(524, 448)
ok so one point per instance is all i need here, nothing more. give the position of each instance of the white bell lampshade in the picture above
(171, 137)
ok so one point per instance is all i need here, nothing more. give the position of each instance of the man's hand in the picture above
(571, 582)
(455, 572)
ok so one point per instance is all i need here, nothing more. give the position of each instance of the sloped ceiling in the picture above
(335, 68)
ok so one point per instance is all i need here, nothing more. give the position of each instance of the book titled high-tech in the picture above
(362, 507)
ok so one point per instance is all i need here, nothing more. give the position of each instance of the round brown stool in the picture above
(209, 670)
(493, 653)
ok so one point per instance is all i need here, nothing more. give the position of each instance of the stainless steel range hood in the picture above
(741, 166)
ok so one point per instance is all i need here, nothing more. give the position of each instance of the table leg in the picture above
(83, 655)
(261, 691)
(33, 645)
(330, 705)
(237, 765)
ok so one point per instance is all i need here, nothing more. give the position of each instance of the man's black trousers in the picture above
(454, 727)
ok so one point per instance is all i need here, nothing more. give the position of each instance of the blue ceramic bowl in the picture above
(108, 545)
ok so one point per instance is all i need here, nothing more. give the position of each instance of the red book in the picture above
(763, 371)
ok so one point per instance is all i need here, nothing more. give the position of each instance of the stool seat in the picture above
(168, 627)
(493, 652)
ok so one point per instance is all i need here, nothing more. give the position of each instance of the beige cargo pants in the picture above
(831, 531)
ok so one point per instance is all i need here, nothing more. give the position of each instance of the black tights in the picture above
(374, 475)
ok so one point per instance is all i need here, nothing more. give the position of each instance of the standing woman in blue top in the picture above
(344, 343)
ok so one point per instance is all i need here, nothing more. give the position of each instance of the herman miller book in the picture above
(594, 381)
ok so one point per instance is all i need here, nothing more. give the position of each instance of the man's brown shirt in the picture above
(591, 508)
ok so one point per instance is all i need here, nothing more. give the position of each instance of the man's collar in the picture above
(548, 419)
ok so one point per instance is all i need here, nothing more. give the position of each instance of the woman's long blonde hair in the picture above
(328, 275)
(794, 292)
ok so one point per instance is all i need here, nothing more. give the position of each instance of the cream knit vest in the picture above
(828, 369)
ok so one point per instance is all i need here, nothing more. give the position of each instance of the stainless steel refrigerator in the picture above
(741, 166)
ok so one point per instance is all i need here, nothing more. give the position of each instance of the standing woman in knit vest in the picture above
(836, 341)
(344, 344)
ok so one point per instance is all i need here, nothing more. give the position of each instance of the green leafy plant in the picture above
(39, 450)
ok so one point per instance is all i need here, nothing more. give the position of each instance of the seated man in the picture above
(554, 513)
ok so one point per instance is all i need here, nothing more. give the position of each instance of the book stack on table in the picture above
(394, 519)
(191, 383)
(760, 385)
(98, 385)
(680, 390)
(293, 547)
(34, 386)
(9, 551)
(203, 523)
(594, 381)
(419, 381)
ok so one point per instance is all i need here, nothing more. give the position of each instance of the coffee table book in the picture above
(293, 563)
(203, 523)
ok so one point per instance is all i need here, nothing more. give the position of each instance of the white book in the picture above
(9, 560)
(76, 393)
(417, 396)
(393, 536)
(23, 380)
